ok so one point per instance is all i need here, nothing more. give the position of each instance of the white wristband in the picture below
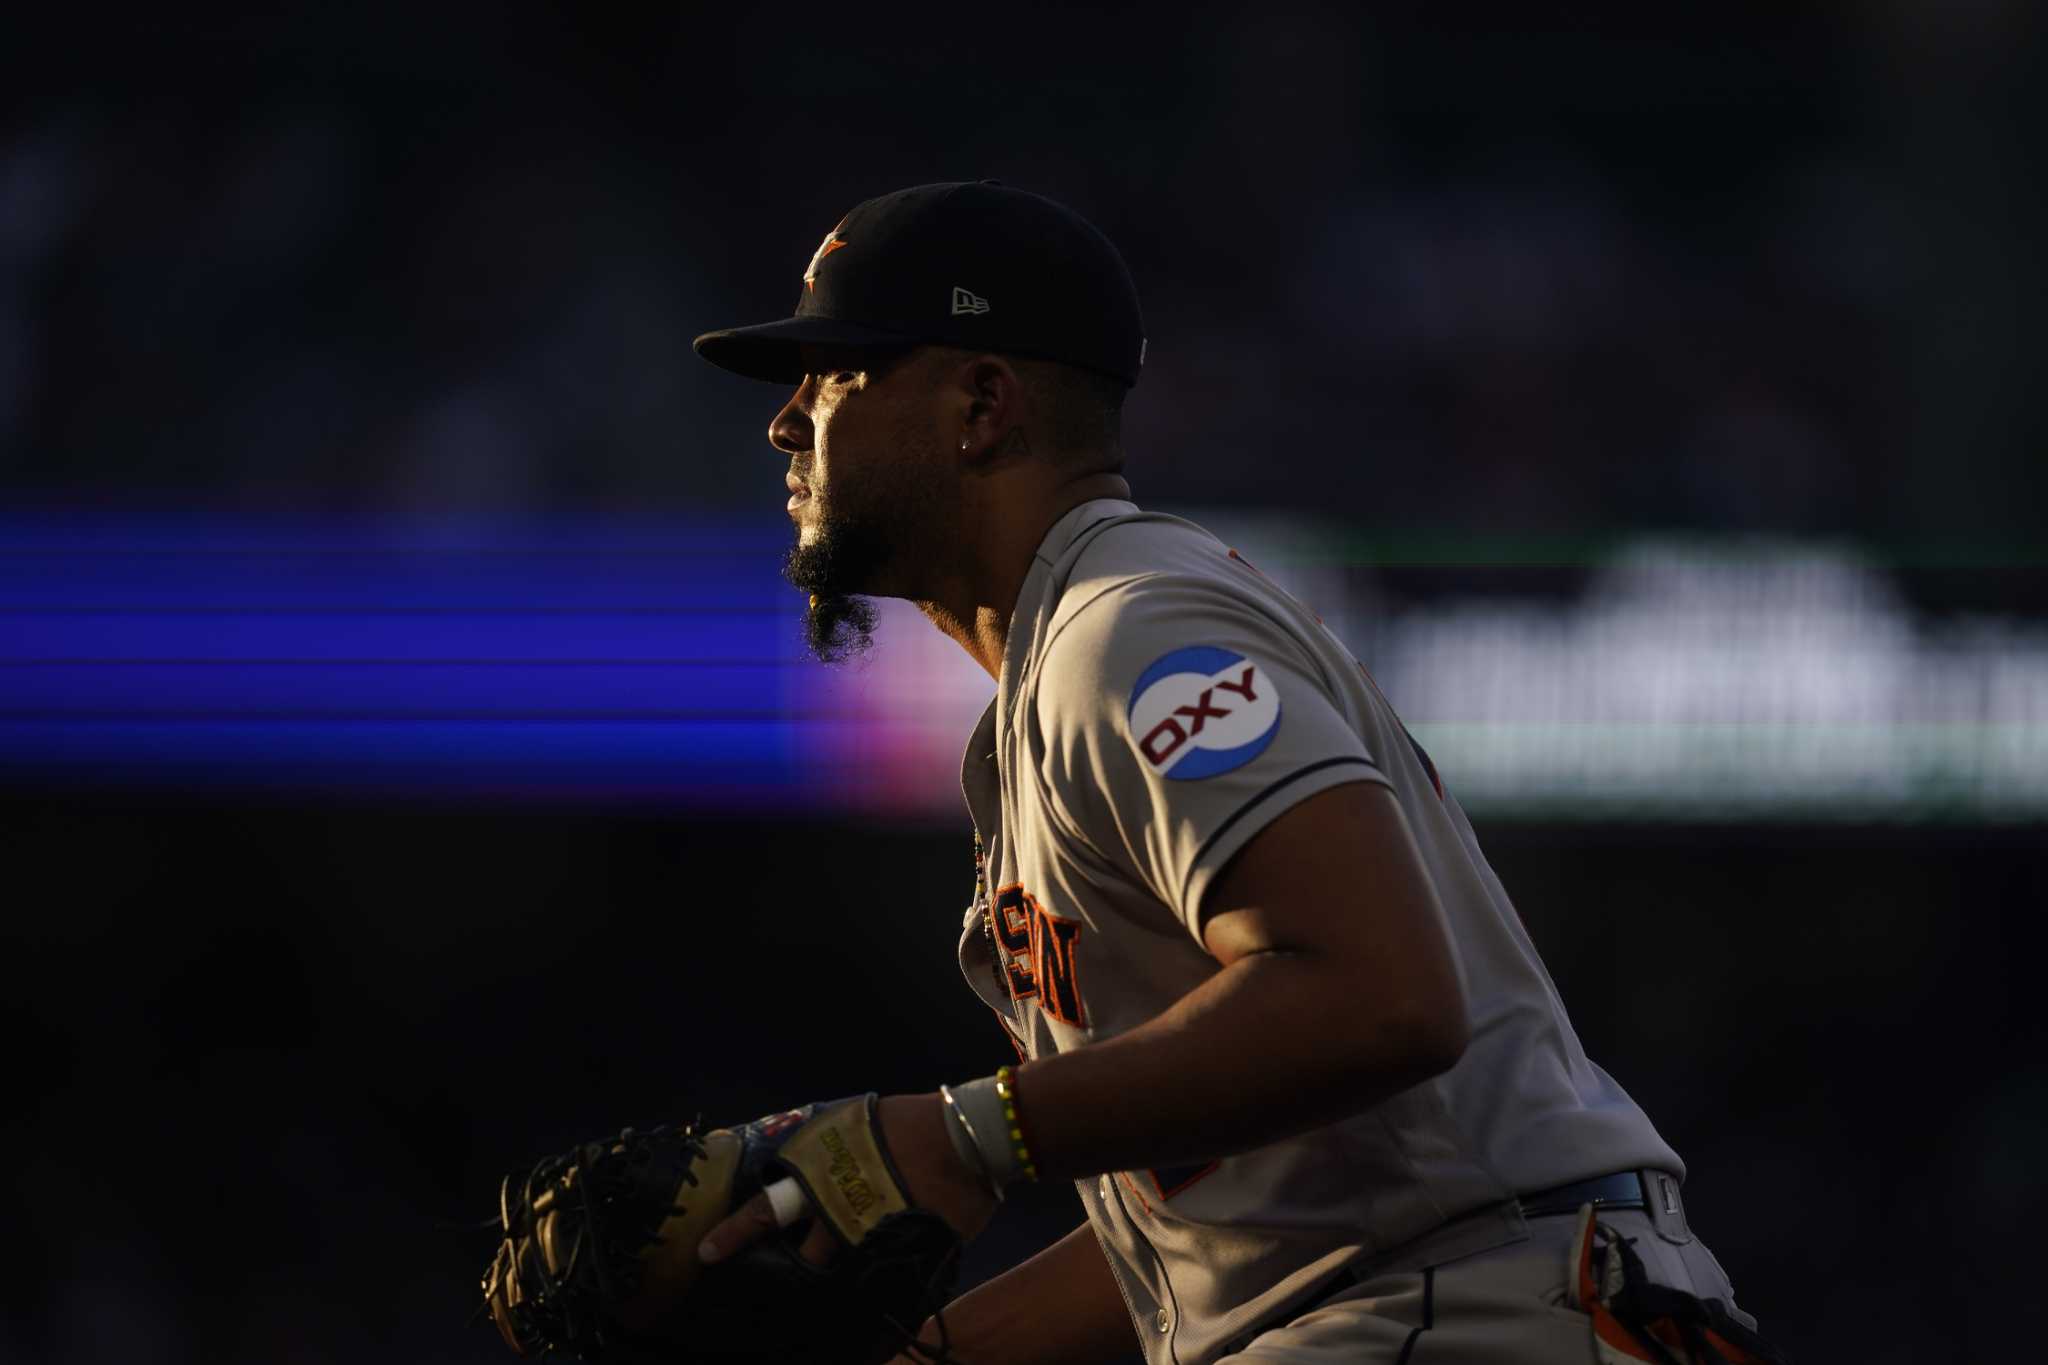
(787, 1198)
(981, 1113)
(965, 1144)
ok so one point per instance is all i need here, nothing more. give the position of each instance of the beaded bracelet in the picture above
(1006, 1091)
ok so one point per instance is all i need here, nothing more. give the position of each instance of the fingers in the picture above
(927, 1339)
(820, 1244)
(741, 1228)
(755, 1219)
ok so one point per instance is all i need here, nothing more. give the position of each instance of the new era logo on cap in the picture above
(967, 301)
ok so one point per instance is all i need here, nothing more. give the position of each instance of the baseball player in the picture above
(1275, 1016)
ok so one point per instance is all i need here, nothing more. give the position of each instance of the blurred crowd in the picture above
(1763, 274)
(261, 1122)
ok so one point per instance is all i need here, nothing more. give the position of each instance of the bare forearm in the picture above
(1061, 1307)
(1251, 1056)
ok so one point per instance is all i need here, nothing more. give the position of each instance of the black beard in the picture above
(839, 625)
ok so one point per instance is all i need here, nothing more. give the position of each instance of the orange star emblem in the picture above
(831, 244)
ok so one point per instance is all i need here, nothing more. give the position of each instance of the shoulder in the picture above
(1147, 601)
(1135, 571)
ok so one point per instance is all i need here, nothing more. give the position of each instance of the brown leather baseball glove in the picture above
(599, 1257)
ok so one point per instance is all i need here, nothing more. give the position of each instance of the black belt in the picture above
(1621, 1190)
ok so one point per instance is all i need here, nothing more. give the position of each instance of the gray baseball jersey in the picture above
(1160, 702)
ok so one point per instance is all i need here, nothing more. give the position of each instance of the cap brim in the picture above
(773, 350)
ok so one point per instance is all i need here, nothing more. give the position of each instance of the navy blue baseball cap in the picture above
(976, 264)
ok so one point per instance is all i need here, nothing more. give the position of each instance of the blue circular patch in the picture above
(1202, 710)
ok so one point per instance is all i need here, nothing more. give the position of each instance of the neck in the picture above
(974, 605)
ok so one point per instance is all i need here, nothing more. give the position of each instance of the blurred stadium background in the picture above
(409, 759)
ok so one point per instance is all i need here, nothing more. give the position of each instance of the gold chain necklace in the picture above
(997, 965)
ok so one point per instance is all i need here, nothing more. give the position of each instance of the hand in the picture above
(913, 1128)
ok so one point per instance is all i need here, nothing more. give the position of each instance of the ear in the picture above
(996, 408)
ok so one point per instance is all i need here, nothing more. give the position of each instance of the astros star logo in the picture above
(831, 244)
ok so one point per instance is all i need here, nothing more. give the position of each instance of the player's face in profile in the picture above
(864, 490)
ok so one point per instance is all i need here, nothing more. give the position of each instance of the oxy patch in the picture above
(1200, 711)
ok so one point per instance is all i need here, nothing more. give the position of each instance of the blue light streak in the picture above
(635, 661)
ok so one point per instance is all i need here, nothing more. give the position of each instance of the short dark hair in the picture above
(1080, 411)
(1083, 412)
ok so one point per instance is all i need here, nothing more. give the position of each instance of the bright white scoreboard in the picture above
(661, 664)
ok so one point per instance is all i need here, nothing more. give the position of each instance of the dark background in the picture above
(1481, 274)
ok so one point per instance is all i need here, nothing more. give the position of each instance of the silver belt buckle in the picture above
(1666, 1209)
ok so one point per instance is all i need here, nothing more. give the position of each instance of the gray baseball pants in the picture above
(1506, 1306)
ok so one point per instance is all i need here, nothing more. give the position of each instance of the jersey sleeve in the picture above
(1177, 720)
